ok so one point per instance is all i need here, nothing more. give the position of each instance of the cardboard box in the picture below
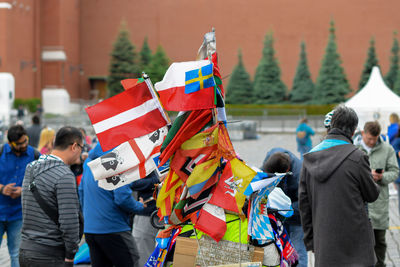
(186, 252)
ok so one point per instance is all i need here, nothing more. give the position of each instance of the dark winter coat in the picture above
(335, 183)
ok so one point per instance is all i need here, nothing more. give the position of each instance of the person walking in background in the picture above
(14, 157)
(393, 128)
(46, 140)
(303, 137)
(143, 232)
(396, 147)
(33, 131)
(50, 206)
(281, 160)
(385, 170)
(106, 214)
(335, 183)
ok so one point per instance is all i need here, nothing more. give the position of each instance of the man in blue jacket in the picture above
(14, 156)
(107, 219)
(280, 158)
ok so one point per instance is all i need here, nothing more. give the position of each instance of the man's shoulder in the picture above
(357, 155)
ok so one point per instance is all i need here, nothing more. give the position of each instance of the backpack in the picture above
(36, 153)
(301, 137)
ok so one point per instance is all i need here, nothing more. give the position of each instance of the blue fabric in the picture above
(396, 146)
(392, 132)
(12, 170)
(327, 143)
(296, 237)
(198, 79)
(13, 230)
(105, 211)
(83, 255)
(303, 127)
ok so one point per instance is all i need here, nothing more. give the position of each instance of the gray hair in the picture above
(345, 119)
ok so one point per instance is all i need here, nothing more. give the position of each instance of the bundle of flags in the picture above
(132, 126)
(204, 177)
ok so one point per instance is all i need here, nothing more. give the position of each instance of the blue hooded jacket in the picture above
(105, 211)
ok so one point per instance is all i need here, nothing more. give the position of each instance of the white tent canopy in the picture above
(375, 101)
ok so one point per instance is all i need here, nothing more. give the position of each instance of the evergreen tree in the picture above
(158, 65)
(303, 87)
(372, 61)
(123, 64)
(268, 86)
(396, 87)
(332, 85)
(391, 76)
(240, 88)
(145, 56)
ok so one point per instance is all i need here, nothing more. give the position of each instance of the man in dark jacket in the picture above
(47, 241)
(282, 160)
(335, 183)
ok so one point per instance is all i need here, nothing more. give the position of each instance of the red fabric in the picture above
(210, 224)
(223, 195)
(131, 98)
(175, 99)
(192, 125)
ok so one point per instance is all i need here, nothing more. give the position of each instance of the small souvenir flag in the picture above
(187, 86)
(166, 196)
(212, 221)
(192, 125)
(127, 177)
(258, 184)
(130, 114)
(194, 151)
(225, 191)
(131, 154)
(278, 201)
(242, 176)
(203, 177)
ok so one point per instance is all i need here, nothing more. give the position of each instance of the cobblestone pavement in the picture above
(253, 152)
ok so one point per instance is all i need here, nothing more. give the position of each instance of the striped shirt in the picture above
(56, 185)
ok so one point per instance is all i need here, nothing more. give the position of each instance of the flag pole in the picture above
(153, 93)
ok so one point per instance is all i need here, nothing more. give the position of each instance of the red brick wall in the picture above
(178, 25)
(86, 30)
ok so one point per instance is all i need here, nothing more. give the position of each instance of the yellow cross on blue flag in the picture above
(198, 79)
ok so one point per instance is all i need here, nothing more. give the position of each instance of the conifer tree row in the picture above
(268, 86)
(391, 76)
(240, 87)
(303, 86)
(372, 60)
(332, 84)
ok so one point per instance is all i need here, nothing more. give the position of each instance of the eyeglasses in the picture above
(79, 146)
(17, 144)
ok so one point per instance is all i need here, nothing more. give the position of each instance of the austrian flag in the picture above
(130, 114)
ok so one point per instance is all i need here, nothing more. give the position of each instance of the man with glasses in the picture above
(50, 230)
(14, 156)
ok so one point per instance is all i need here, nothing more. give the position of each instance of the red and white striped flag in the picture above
(130, 114)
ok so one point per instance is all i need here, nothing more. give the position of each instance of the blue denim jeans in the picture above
(13, 230)
(296, 236)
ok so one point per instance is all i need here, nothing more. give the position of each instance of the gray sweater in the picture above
(56, 184)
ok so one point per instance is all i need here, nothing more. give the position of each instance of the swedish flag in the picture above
(198, 79)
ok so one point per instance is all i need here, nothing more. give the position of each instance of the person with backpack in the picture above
(14, 156)
(303, 137)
